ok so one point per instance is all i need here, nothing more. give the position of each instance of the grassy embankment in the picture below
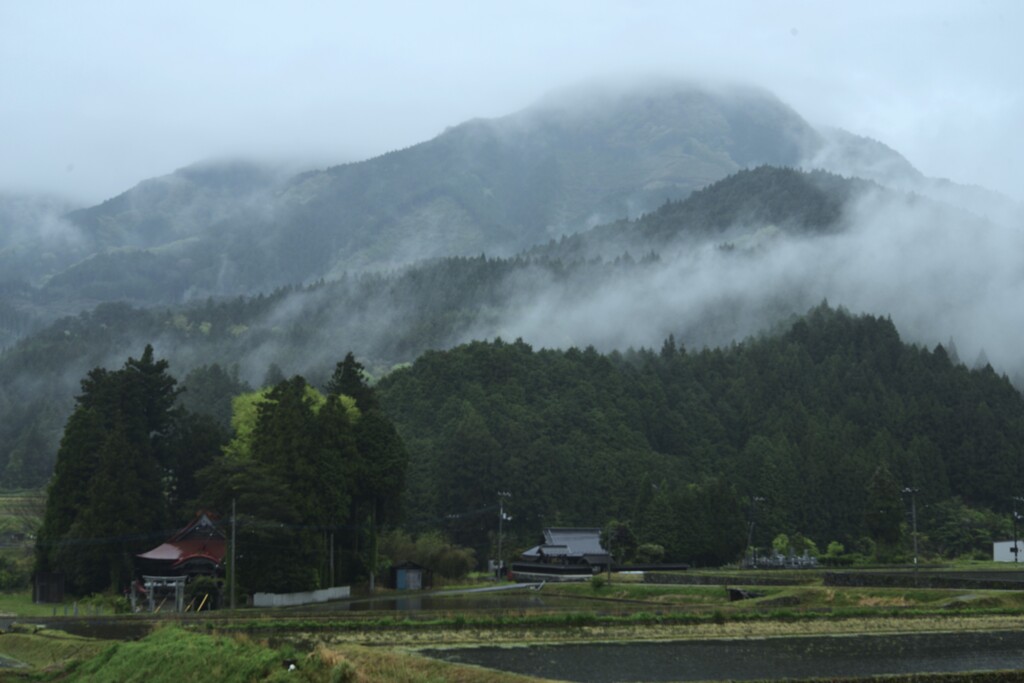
(173, 654)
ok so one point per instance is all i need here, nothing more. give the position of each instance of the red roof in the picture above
(201, 539)
(176, 552)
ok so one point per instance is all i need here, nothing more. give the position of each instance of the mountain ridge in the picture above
(497, 185)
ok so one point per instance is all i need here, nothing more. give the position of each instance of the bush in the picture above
(199, 587)
(118, 604)
(650, 553)
(431, 550)
(13, 575)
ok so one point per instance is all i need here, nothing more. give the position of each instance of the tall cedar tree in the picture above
(106, 499)
(379, 468)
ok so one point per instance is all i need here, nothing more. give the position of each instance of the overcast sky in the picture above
(96, 96)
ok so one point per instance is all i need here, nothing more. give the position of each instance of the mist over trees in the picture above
(666, 378)
(732, 260)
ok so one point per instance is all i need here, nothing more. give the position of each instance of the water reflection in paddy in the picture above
(754, 659)
(501, 601)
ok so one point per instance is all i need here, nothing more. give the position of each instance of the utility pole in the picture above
(750, 531)
(502, 495)
(913, 517)
(232, 554)
(373, 547)
(1016, 545)
(611, 558)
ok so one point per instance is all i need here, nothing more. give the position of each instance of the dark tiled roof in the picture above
(579, 540)
(571, 542)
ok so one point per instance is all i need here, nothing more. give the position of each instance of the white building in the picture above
(1003, 551)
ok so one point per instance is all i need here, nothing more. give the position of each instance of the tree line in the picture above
(312, 475)
(825, 423)
(814, 435)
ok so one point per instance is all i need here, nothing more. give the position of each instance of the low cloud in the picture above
(938, 271)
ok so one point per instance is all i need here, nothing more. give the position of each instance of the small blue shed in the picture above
(410, 576)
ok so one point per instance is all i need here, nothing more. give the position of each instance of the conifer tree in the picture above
(106, 499)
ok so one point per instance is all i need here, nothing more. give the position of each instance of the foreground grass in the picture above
(173, 654)
(375, 664)
(48, 648)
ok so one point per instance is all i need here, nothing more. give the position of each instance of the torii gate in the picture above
(152, 582)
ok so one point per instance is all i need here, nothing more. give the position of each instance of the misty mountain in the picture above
(706, 284)
(574, 160)
(34, 241)
(765, 200)
(571, 161)
(189, 202)
(733, 258)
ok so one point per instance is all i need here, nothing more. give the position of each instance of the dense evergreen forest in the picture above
(813, 433)
(825, 424)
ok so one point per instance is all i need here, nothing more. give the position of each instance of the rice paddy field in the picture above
(624, 630)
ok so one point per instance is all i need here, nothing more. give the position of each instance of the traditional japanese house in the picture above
(196, 550)
(567, 554)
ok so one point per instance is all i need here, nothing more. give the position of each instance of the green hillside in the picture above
(825, 423)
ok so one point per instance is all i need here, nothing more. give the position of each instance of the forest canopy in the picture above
(680, 442)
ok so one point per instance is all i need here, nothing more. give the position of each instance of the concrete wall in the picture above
(304, 598)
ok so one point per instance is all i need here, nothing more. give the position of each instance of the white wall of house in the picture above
(305, 598)
(1002, 551)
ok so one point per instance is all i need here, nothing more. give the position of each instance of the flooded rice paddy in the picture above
(754, 659)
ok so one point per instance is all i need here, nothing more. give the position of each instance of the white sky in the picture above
(96, 96)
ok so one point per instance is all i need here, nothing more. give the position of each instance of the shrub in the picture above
(650, 553)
